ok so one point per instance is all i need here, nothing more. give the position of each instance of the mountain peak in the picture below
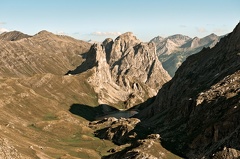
(157, 39)
(178, 36)
(178, 39)
(107, 40)
(236, 30)
(44, 32)
(127, 35)
(237, 27)
(125, 40)
(212, 34)
(13, 36)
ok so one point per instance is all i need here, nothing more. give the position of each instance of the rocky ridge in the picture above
(198, 110)
(124, 70)
(194, 115)
(13, 36)
(41, 53)
(122, 132)
(35, 98)
(172, 51)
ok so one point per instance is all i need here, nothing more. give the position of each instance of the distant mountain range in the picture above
(173, 50)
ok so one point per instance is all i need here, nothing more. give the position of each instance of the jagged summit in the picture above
(179, 39)
(213, 35)
(173, 50)
(157, 39)
(124, 41)
(124, 66)
(126, 34)
(107, 40)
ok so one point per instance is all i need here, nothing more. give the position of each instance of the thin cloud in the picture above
(99, 33)
(2, 23)
(220, 31)
(60, 33)
(3, 30)
(201, 30)
(182, 26)
(76, 33)
(209, 24)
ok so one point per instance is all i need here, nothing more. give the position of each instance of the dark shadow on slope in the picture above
(143, 105)
(121, 154)
(150, 72)
(91, 113)
(90, 62)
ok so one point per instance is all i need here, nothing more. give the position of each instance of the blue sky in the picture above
(98, 19)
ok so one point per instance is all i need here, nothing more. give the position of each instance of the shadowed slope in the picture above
(197, 112)
(90, 113)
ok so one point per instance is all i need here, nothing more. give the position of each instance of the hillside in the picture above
(35, 98)
(41, 53)
(40, 95)
(197, 112)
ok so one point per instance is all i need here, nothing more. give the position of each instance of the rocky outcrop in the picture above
(117, 130)
(122, 132)
(173, 50)
(125, 71)
(197, 112)
(227, 153)
(143, 149)
(132, 60)
(8, 151)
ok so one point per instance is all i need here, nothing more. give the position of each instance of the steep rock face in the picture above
(101, 79)
(198, 110)
(42, 53)
(173, 50)
(132, 59)
(125, 71)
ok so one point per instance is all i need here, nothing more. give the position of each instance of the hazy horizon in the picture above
(97, 20)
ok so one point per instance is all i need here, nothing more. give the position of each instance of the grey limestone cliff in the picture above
(125, 71)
